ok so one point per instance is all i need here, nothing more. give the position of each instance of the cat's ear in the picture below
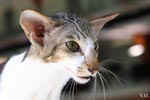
(35, 26)
(98, 23)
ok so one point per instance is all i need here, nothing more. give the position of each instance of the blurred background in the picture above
(124, 44)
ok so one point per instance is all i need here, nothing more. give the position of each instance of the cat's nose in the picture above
(92, 70)
(92, 64)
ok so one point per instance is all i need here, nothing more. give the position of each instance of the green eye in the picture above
(73, 46)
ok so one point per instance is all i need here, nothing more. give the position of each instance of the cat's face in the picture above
(65, 39)
(78, 56)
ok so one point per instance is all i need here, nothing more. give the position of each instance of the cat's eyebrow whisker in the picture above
(103, 85)
(113, 74)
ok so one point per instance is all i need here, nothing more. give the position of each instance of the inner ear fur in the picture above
(36, 25)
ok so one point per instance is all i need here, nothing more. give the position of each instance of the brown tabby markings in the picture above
(48, 36)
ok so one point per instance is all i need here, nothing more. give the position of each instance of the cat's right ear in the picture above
(35, 26)
(98, 22)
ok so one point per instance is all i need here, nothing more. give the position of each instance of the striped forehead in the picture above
(80, 26)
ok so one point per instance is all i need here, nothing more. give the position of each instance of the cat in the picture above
(63, 47)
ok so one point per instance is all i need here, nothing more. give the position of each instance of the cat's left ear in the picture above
(98, 23)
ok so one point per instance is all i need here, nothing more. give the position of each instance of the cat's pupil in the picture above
(73, 46)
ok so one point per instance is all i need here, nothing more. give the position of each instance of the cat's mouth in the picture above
(82, 80)
(85, 77)
(80, 77)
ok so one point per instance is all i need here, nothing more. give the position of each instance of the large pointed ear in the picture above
(35, 26)
(98, 22)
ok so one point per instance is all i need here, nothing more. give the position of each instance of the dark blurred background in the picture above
(125, 41)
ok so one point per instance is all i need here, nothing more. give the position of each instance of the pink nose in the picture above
(92, 70)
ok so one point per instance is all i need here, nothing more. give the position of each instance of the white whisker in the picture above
(103, 85)
(114, 75)
(75, 87)
(73, 90)
(106, 82)
(95, 88)
(70, 91)
(65, 88)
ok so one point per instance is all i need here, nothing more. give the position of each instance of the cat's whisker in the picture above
(71, 95)
(73, 90)
(114, 75)
(106, 82)
(70, 90)
(95, 88)
(103, 85)
(76, 88)
(66, 88)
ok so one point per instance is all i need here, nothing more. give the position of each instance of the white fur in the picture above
(32, 80)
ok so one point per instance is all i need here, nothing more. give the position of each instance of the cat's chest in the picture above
(32, 79)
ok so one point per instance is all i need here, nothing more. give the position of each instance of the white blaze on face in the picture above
(88, 48)
(73, 64)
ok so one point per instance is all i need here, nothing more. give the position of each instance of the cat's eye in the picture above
(73, 46)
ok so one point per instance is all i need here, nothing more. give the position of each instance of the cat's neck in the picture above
(35, 80)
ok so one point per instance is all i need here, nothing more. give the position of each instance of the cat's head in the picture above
(65, 39)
